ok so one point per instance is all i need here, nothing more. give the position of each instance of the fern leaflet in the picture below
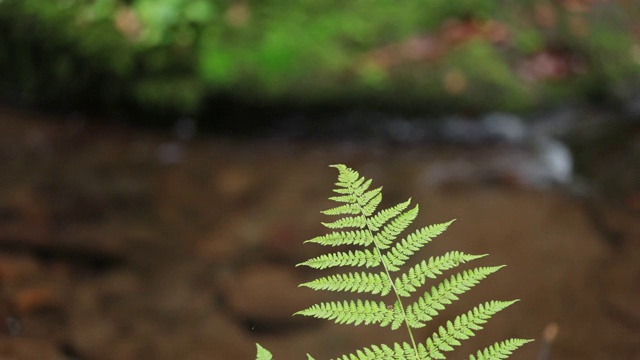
(500, 350)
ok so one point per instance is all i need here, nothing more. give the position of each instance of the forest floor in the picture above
(121, 244)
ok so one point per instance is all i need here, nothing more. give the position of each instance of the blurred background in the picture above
(163, 162)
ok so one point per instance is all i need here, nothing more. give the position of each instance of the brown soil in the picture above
(107, 251)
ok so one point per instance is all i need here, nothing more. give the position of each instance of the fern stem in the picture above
(393, 286)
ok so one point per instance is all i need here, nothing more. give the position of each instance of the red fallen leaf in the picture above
(238, 14)
(457, 32)
(550, 64)
(127, 22)
(431, 47)
(633, 201)
(13, 269)
(577, 6)
(32, 299)
(579, 26)
(545, 15)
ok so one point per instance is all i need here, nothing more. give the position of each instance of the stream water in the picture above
(122, 243)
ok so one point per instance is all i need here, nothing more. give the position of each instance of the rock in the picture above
(620, 291)
(268, 293)
(15, 269)
(16, 348)
(234, 182)
(37, 298)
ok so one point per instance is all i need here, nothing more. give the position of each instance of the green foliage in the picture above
(171, 54)
(376, 233)
(263, 354)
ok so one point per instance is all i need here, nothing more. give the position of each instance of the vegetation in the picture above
(376, 239)
(175, 54)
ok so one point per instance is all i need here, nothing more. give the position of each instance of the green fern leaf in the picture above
(377, 234)
(370, 206)
(263, 354)
(370, 195)
(350, 198)
(360, 186)
(425, 308)
(353, 282)
(350, 208)
(391, 231)
(499, 350)
(401, 252)
(380, 219)
(352, 312)
(350, 258)
(347, 222)
(383, 352)
(357, 237)
(462, 328)
(416, 276)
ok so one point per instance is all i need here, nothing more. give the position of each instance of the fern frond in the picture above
(377, 232)
(352, 312)
(262, 353)
(381, 218)
(353, 282)
(346, 209)
(500, 350)
(461, 328)
(356, 237)
(351, 180)
(390, 231)
(369, 205)
(428, 305)
(349, 183)
(348, 222)
(360, 186)
(404, 352)
(345, 174)
(401, 252)
(351, 258)
(349, 198)
(416, 276)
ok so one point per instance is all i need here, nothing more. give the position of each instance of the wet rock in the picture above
(37, 298)
(505, 128)
(29, 219)
(539, 163)
(621, 295)
(217, 337)
(283, 242)
(170, 153)
(185, 129)
(268, 293)
(234, 182)
(16, 269)
(16, 348)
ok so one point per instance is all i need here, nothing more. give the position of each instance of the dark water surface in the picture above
(120, 243)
